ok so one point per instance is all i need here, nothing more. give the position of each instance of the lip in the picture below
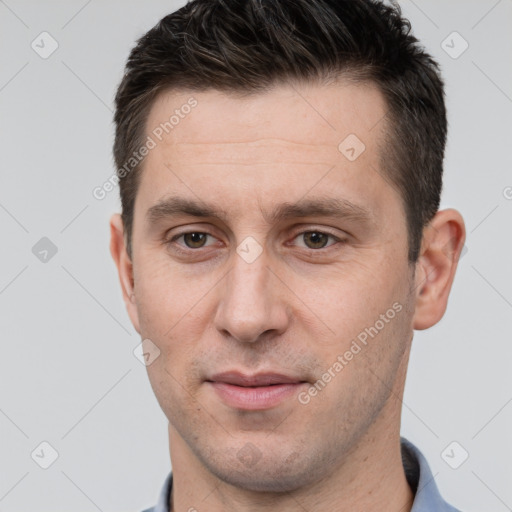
(254, 392)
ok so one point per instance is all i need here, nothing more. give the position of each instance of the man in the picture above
(280, 168)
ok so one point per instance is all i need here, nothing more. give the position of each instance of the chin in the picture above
(268, 474)
(262, 481)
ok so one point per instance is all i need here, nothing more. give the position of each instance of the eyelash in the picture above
(183, 249)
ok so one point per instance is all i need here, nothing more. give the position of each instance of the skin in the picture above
(293, 310)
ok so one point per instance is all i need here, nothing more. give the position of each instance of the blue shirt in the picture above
(417, 471)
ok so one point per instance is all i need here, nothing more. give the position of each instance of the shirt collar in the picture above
(417, 471)
(419, 476)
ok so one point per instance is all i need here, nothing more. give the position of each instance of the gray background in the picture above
(68, 373)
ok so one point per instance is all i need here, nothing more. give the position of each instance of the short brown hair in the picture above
(246, 46)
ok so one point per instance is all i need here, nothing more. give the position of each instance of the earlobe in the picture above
(124, 268)
(443, 240)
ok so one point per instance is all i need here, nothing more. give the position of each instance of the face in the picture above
(270, 269)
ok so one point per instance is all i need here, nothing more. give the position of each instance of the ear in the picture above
(124, 268)
(442, 244)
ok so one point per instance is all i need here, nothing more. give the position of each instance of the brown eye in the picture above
(194, 240)
(315, 239)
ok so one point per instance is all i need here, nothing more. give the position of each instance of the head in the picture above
(283, 215)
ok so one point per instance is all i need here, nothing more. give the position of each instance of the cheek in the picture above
(173, 310)
(170, 313)
(350, 299)
(162, 295)
(361, 363)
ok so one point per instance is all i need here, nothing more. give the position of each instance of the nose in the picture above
(252, 304)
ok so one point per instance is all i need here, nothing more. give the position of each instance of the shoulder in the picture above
(163, 499)
(419, 476)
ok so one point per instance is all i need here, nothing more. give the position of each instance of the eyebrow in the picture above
(324, 206)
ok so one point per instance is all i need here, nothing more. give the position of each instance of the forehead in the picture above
(274, 146)
(307, 114)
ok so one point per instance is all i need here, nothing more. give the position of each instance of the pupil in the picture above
(316, 239)
(195, 239)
